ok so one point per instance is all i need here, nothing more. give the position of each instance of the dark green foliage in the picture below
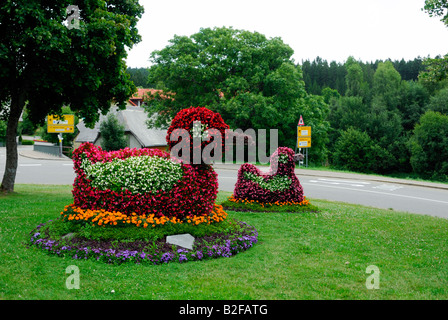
(249, 79)
(435, 72)
(382, 115)
(437, 8)
(409, 70)
(413, 103)
(386, 86)
(319, 74)
(439, 102)
(139, 76)
(429, 146)
(330, 94)
(437, 68)
(112, 134)
(354, 80)
(27, 127)
(46, 65)
(356, 151)
(27, 142)
(2, 131)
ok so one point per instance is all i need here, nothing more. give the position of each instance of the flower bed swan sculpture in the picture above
(279, 184)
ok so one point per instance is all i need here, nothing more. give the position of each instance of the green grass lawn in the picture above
(320, 255)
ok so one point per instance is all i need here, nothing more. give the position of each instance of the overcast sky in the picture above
(331, 29)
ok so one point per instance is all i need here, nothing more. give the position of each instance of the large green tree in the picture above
(437, 68)
(51, 57)
(429, 146)
(386, 86)
(356, 86)
(437, 8)
(112, 133)
(250, 79)
(439, 102)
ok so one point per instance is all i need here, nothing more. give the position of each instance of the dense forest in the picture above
(319, 74)
(382, 118)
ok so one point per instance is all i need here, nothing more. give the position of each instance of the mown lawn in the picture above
(299, 256)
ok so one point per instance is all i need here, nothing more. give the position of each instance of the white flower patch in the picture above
(142, 174)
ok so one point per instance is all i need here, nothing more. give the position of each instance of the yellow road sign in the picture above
(64, 124)
(60, 129)
(304, 142)
(304, 132)
(65, 120)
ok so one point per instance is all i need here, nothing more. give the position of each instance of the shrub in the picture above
(27, 142)
(356, 151)
(429, 146)
(112, 134)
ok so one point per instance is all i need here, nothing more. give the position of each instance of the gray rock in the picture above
(185, 240)
(68, 236)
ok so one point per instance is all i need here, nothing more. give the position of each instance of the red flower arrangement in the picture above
(212, 123)
(269, 187)
(194, 194)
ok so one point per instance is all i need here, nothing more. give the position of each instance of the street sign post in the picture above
(64, 124)
(304, 142)
(303, 132)
(60, 125)
(61, 129)
(303, 138)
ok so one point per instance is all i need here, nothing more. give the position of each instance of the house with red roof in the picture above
(138, 99)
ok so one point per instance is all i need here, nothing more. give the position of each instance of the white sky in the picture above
(330, 29)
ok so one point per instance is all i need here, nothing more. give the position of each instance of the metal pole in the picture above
(60, 144)
(307, 157)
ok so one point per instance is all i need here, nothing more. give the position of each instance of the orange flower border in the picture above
(305, 202)
(115, 218)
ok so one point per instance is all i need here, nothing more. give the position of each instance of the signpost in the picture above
(60, 125)
(303, 138)
(66, 124)
(304, 142)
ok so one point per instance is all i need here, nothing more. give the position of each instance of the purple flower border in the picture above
(223, 246)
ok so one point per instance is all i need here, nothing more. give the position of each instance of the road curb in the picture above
(41, 156)
(355, 176)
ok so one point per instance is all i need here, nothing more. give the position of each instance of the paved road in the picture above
(380, 194)
(45, 169)
(386, 193)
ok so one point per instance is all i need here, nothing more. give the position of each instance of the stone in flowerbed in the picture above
(116, 244)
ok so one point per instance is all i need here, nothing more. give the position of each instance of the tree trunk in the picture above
(9, 177)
